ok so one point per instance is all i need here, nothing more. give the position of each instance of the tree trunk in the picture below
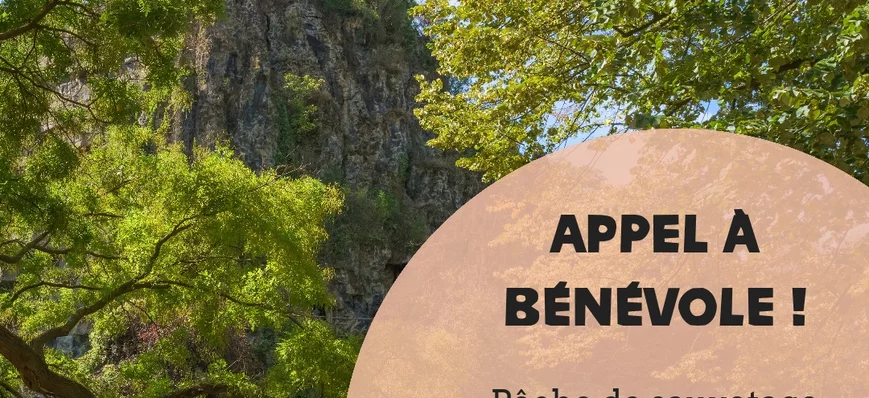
(35, 372)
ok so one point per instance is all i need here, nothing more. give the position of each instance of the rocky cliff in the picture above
(363, 137)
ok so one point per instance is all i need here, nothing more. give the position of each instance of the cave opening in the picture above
(395, 269)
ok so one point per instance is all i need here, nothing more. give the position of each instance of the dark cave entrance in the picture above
(395, 270)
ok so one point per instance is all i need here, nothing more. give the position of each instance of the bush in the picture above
(386, 21)
(295, 108)
(375, 218)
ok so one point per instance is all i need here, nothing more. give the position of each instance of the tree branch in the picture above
(69, 32)
(43, 338)
(39, 342)
(166, 283)
(50, 284)
(796, 63)
(656, 17)
(103, 214)
(10, 390)
(16, 72)
(61, 251)
(32, 24)
(24, 249)
(34, 372)
(180, 227)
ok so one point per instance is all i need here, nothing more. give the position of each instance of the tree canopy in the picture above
(104, 225)
(201, 250)
(525, 76)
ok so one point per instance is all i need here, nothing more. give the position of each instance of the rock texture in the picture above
(366, 138)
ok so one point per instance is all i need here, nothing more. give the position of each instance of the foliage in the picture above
(295, 113)
(386, 21)
(540, 72)
(199, 248)
(106, 225)
(372, 218)
(304, 356)
(86, 43)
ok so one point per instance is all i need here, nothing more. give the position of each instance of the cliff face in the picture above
(366, 138)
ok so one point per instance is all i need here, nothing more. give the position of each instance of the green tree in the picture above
(537, 73)
(106, 225)
(202, 249)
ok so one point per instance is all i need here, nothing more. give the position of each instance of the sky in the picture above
(712, 110)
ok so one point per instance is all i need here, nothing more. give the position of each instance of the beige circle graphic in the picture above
(441, 330)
